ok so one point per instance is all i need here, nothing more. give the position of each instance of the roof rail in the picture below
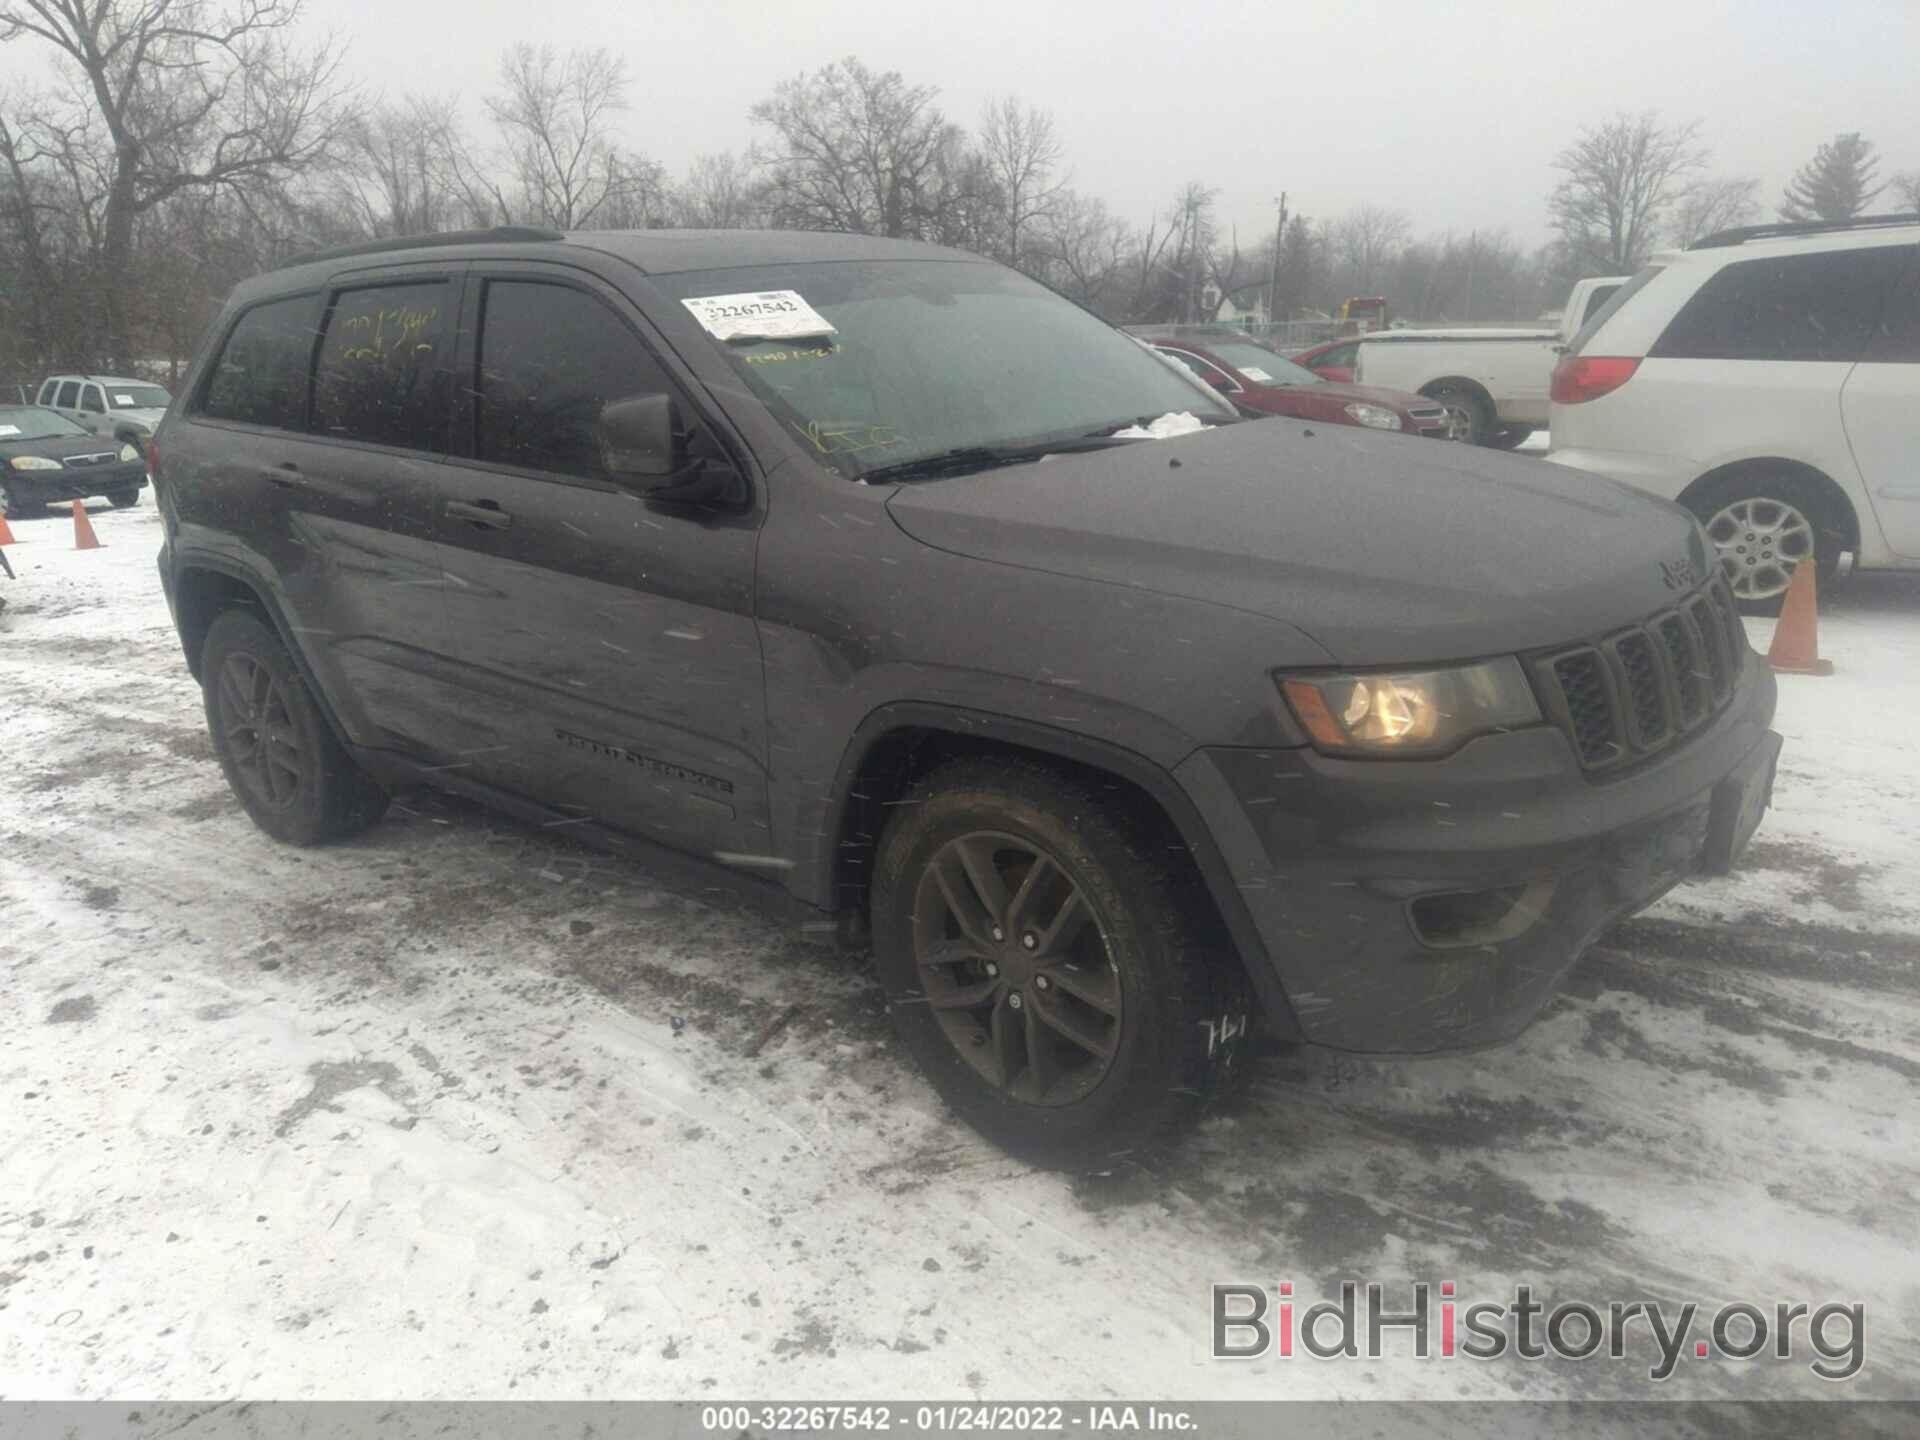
(498, 235)
(1785, 229)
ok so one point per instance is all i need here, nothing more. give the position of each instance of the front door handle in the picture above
(287, 477)
(482, 514)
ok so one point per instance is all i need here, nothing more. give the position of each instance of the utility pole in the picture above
(1273, 284)
(1473, 252)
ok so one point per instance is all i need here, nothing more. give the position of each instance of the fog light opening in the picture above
(1462, 918)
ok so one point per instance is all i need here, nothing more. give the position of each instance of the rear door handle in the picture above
(485, 514)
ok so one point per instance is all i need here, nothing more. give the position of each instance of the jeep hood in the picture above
(1382, 549)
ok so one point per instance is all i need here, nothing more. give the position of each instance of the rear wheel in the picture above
(1510, 437)
(1049, 970)
(1468, 414)
(279, 755)
(1765, 523)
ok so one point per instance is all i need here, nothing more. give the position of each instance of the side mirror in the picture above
(640, 437)
(644, 439)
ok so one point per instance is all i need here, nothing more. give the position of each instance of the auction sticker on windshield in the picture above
(1254, 372)
(120, 399)
(774, 314)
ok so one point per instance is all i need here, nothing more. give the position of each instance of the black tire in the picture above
(1470, 410)
(123, 499)
(1183, 1003)
(1510, 437)
(294, 779)
(1766, 487)
(12, 504)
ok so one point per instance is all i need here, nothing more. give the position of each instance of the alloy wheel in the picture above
(1015, 966)
(258, 731)
(1760, 541)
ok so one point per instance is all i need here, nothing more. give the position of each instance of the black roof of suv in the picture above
(896, 587)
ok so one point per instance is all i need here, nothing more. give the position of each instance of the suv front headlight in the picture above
(1374, 417)
(1413, 713)
(34, 462)
(129, 452)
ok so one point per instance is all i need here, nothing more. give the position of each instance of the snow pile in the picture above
(1177, 422)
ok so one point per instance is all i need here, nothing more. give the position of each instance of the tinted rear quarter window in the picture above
(1611, 307)
(1822, 306)
(1896, 336)
(381, 376)
(550, 360)
(261, 375)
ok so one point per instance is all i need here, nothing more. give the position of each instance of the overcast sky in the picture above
(1449, 109)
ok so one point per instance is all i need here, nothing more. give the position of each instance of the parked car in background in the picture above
(1331, 360)
(128, 410)
(1493, 381)
(1767, 378)
(1261, 380)
(45, 456)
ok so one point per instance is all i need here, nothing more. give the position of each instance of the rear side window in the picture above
(550, 360)
(1597, 301)
(1896, 337)
(1787, 307)
(381, 376)
(261, 375)
(69, 396)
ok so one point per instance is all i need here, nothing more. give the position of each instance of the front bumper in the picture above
(42, 486)
(1369, 881)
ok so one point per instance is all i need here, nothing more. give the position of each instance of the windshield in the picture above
(30, 422)
(932, 356)
(137, 397)
(1261, 365)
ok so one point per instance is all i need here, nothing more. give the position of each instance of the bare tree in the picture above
(721, 192)
(555, 114)
(394, 177)
(1624, 177)
(1365, 239)
(1906, 186)
(1837, 184)
(172, 96)
(1714, 205)
(1022, 155)
(1084, 251)
(858, 150)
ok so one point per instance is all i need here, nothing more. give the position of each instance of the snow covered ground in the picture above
(459, 1109)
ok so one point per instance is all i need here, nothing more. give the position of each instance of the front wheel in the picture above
(1510, 437)
(124, 499)
(1046, 964)
(278, 752)
(1764, 524)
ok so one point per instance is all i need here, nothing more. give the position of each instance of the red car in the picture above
(1258, 379)
(1331, 359)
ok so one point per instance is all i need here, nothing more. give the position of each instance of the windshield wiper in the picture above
(965, 458)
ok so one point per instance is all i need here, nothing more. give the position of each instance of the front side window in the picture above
(550, 360)
(261, 375)
(1786, 307)
(47, 392)
(70, 395)
(90, 400)
(381, 376)
(931, 356)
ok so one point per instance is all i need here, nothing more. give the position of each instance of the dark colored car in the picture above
(1331, 359)
(44, 456)
(821, 559)
(1258, 379)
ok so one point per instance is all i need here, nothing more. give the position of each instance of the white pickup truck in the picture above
(1494, 382)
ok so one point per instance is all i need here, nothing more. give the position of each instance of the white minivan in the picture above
(1767, 378)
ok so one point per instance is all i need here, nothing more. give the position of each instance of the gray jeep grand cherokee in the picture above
(856, 568)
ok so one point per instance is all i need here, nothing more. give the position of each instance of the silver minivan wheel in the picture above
(1761, 541)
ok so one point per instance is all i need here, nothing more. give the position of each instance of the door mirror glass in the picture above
(640, 437)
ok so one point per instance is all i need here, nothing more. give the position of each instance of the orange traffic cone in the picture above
(1796, 639)
(83, 536)
(6, 535)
